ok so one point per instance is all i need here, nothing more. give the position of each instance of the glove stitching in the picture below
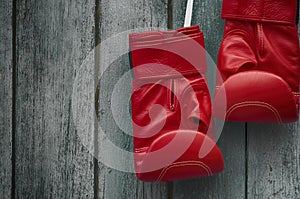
(162, 42)
(184, 163)
(249, 103)
(173, 75)
(241, 17)
(141, 150)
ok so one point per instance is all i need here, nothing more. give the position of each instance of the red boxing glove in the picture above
(259, 62)
(171, 106)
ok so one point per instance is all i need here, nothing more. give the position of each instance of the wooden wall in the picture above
(44, 43)
(6, 98)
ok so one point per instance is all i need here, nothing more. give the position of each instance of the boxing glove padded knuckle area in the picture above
(185, 163)
(257, 96)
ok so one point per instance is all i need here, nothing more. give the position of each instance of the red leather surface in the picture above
(172, 48)
(264, 97)
(259, 64)
(275, 11)
(188, 165)
(171, 106)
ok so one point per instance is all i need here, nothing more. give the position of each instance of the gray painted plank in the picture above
(116, 17)
(231, 182)
(53, 37)
(5, 98)
(274, 159)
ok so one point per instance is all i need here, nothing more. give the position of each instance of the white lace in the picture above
(188, 13)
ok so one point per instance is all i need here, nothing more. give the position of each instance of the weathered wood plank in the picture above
(53, 37)
(6, 98)
(116, 17)
(231, 182)
(274, 159)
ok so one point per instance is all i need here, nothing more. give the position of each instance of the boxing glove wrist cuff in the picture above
(275, 11)
(168, 48)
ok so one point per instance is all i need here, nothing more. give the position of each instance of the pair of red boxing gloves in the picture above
(172, 112)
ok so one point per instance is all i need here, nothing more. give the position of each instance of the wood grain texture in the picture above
(6, 98)
(53, 38)
(231, 182)
(118, 16)
(274, 160)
